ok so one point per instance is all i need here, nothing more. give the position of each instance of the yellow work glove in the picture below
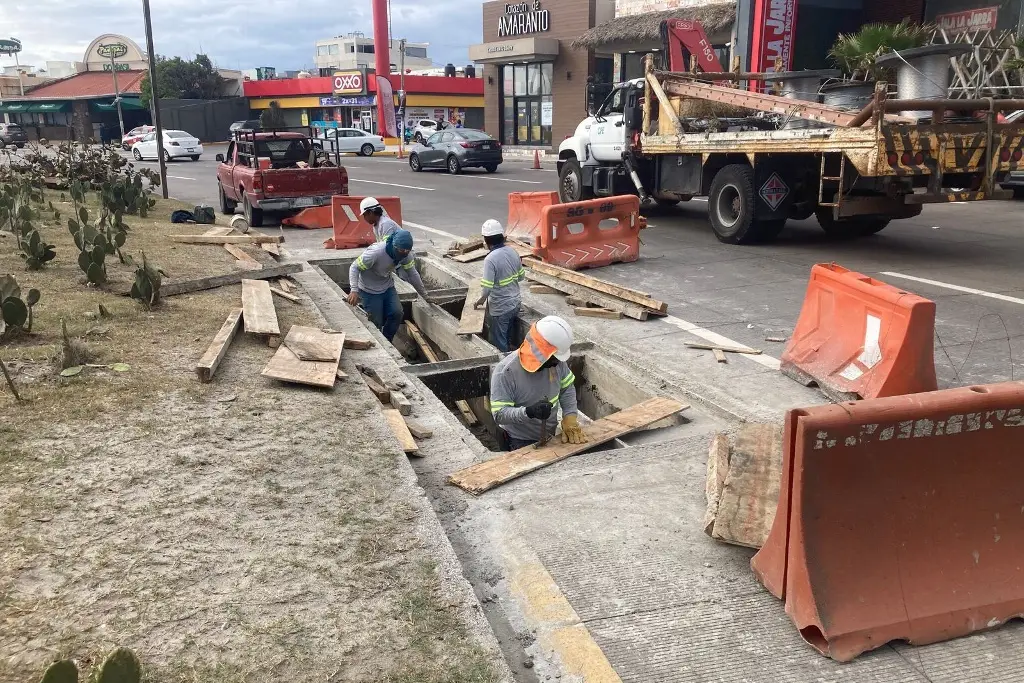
(571, 430)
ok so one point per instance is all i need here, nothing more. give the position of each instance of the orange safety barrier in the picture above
(524, 214)
(350, 230)
(591, 233)
(858, 337)
(900, 518)
(313, 218)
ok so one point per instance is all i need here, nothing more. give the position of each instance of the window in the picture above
(614, 104)
(366, 49)
(520, 79)
(321, 50)
(447, 137)
(434, 139)
(149, 138)
(473, 135)
(176, 134)
(420, 52)
(526, 104)
(350, 48)
(56, 119)
(335, 49)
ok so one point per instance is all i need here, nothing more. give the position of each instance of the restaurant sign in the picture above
(980, 19)
(522, 18)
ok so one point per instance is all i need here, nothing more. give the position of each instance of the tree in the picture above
(179, 78)
(272, 118)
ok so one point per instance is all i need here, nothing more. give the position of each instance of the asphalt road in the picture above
(968, 258)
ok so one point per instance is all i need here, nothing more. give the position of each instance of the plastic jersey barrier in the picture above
(524, 219)
(350, 230)
(592, 233)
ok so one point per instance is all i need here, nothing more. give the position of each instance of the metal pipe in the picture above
(862, 116)
(154, 97)
(954, 105)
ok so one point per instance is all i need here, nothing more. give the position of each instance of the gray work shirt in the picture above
(513, 389)
(372, 272)
(503, 271)
(385, 226)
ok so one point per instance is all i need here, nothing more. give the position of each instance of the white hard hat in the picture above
(557, 333)
(367, 204)
(491, 227)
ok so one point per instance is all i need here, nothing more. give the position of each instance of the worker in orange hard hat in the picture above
(530, 386)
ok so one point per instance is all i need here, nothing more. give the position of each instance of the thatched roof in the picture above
(645, 28)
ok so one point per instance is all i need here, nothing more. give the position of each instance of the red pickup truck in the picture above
(280, 172)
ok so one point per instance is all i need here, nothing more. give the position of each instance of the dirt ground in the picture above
(242, 530)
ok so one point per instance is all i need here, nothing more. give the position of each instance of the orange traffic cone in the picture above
(536, 160)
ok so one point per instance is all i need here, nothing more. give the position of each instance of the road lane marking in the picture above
(180, 177)
(715, 338)
(507, 180)
(377, 182)
(956, 288)
(435, 231)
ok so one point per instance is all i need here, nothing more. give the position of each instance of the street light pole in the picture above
(117, 94)
(401, 98)
(17, 67)
(154, 97)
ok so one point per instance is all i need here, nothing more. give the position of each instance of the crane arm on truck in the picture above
(683, 38)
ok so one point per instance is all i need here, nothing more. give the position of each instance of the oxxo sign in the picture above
(349, 83)
(522, 18)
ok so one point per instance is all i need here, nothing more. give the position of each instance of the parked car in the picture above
(134, 135)
(249, 125)
(12, 134)
(276, 172)
(349, 140)
(457, 149)
(177, 143)
(422, 129)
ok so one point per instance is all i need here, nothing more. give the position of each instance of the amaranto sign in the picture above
(981, 19)
(774, 27)
(522, 18)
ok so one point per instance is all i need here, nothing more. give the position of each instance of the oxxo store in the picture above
(534, 83)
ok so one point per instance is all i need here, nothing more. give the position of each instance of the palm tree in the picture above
(855, 53)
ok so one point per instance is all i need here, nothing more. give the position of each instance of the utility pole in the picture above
(17, 67)
(155, 97)
(401, 98)
(117, 94)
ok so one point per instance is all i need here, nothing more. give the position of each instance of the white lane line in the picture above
(956, 288)
(435, 231)
(715, 338)
(506, 180)
(377, 182)
(180, 177)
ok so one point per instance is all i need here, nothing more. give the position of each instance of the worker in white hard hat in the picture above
(374, 214)
(531, 385)
(503, 271)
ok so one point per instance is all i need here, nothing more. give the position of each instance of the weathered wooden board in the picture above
(271, 248)
(227, 239)
(244, 259)
(597, 313)
(401, 431)
(618, 291)
(171, 288)
(727, 349)
(418, 431)
(258, 310)
(582, 293)
(749, 488)
(207, 365)
(220, 230)
(474, 255)
(400, 403)
(310, 347)
(472, 321)
(428, 352)
(543, 289)
(285, 295)
(287, 367)
(504, 468)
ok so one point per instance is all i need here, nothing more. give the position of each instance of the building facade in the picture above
(356, 51)
(535, 83)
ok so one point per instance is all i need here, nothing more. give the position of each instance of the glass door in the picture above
(522, 122)
(526, 104)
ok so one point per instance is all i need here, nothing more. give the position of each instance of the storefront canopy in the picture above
(33, 107)
(639, 30)
(127, 104)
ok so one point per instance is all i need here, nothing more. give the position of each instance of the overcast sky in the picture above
(234, 33)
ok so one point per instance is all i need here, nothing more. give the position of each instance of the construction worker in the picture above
(503, 271)
(530, 385)
(372, 283)
(373, 213)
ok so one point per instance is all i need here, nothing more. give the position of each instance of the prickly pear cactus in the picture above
(147, 282)
(63, 671)
(120, 666)
(16, 311)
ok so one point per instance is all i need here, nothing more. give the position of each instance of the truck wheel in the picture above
(227, 207)
(570, 183)
(848, 228)
(731, 205)
(253, 216)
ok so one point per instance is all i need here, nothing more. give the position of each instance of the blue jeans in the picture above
(384, 310)
(503, 329)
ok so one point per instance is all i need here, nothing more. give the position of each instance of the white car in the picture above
(422, 129)
(350, 140)
(177, 143)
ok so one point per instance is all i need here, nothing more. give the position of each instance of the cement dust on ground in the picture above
(241, 530)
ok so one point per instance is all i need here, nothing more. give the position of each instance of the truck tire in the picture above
(227, 207)
(849, 228)
(570, 183)
(731, 205)
(253, 216)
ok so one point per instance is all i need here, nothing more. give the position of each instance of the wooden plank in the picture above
(597, 313)
(727, 349)
(214, 281)
(358, 344)
(400, 430)
(666, 105)
(400, 403)
(524, 250)
(428, 352)
(720, 356)
(461, 247)
(618, 291)
(749, 488)
(285, 295)
(306, 347)
(220, 230)
(270, 248)
(504, 468)
(718, 467)
(472, 321)
(375, 383)
(243, 259)
(252, 238)
(469, 256)
(285, 285)
(341, 374)
(207, 365)
(543, 289)
(417, 430)
(258, 310)
(577, 301)
(582, 293)
(287, 367)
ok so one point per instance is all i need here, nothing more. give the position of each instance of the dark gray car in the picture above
(12, 134)
(456, 149)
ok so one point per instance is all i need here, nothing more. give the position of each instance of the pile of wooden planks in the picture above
(475, 249)
(396, 408)
(594, 297)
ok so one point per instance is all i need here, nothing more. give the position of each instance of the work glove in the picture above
(539, 411)
(571, 430)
